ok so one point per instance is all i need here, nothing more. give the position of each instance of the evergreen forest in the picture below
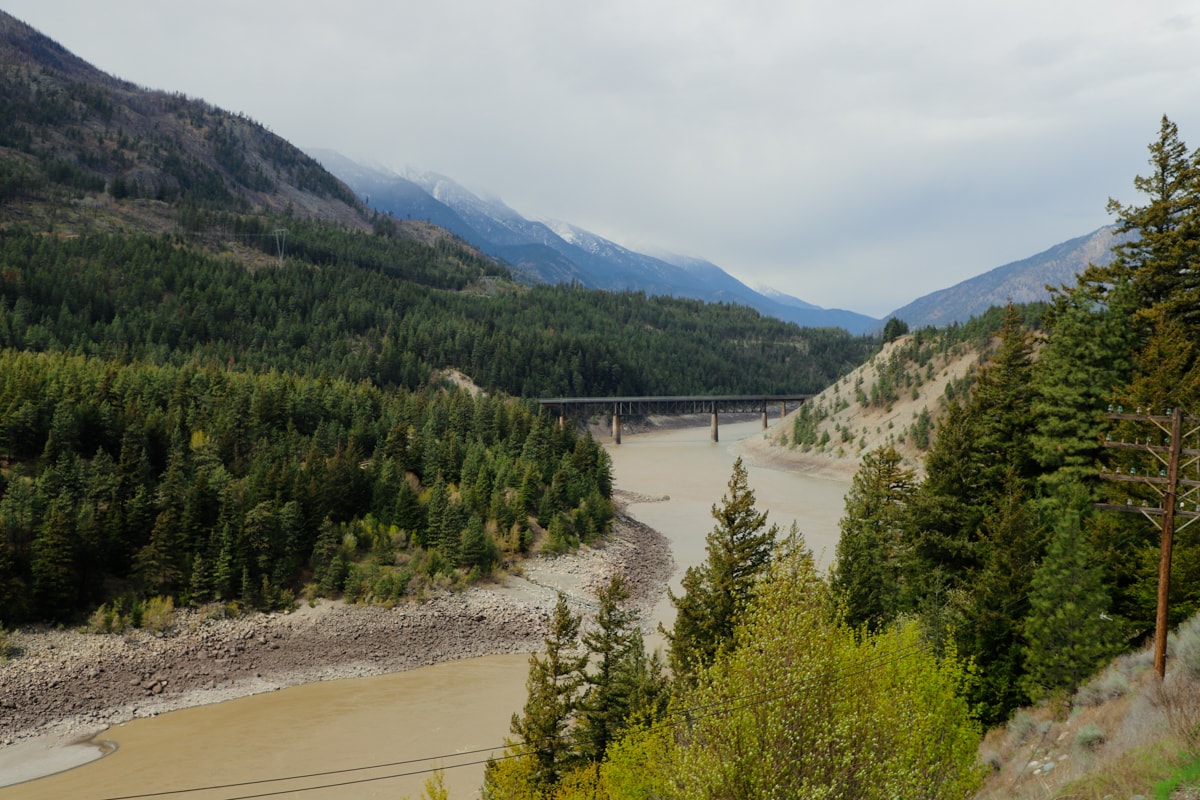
(222, 423)
(1000, 550)
(998, 578)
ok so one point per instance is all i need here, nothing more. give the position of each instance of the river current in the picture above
(458, 710)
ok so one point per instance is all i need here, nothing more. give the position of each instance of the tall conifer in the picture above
(867, 577)
(715, 592)
(1068, 632)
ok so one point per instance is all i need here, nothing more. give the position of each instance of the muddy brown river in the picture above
(454, 711)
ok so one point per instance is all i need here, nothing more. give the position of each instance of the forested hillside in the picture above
(217, 379)
(127, 481)
(955, 599)
(1000, 546)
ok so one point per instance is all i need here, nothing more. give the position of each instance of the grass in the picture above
(1125, 775)
(1127, 734)
(1187, 775)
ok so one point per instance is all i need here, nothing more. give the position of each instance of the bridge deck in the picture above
(684, 404)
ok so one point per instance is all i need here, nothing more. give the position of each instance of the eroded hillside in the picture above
(897, 398)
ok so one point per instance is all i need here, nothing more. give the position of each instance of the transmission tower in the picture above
(280, 241)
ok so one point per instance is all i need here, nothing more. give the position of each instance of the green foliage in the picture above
(893, 329)
(718, 591)
(866, 577)
(988, 612)
(806, 709)
(1068, 633)
(159, 614)
(553, 687)
(208, 484)
(1087, 357)
(361, 307)
(1163, 236)
(622, 682)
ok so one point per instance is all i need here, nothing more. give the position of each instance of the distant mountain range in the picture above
(70, 130)
(1021, 281)
(558, 252)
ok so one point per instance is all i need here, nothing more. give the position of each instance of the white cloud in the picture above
(855, 154)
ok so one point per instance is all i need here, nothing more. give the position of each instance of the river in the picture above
(462, 707)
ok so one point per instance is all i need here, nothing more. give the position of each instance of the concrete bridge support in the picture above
(616, 428)
(764, 419)
(715, 437)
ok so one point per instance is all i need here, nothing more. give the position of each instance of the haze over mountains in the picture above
(96, 133)
(558, 252)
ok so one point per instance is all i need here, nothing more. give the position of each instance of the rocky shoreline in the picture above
(66, 686)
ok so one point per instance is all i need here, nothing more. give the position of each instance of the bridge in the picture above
(670, 406)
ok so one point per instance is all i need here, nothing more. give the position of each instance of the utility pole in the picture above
(1169, 457)
(280, 239)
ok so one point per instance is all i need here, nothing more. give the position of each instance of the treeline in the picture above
(124, 481)
(954, 599)
(81, 132)
(770, 694)
(376, 309)
(999, 550)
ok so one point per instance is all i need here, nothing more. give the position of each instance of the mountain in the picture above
(558, 252)
(92, 152)
(1021, 281)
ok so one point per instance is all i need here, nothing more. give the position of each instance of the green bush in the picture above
(1090, 737)
(158, 616)
(1186, 646)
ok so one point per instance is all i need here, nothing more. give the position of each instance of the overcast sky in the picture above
(857, 154)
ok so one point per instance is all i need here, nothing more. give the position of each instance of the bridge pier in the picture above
(715, 438)
(764, 419)
(616, 428)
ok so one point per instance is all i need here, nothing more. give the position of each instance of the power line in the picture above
(677, 719)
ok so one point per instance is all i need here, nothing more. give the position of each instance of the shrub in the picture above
(1186, 641)
(158, 616)
(1108, 685)
(1021, 728)
(106, 619)
(1090, 737)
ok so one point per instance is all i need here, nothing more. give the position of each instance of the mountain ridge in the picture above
(1022, 281)
(556, 251)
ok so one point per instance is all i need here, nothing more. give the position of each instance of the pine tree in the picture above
(715, 592)
(552, 700)
(1068, 633)
(1163, 236)
(866, 578)
(606, 703)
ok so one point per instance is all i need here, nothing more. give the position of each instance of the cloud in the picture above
(855, 154)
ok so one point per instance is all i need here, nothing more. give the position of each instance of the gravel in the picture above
(69, 685)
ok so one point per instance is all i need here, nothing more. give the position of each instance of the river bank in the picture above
(65, 687)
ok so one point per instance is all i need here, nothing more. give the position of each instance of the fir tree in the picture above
(607, 701)
(1162, 237)
(552, 697)
(990, 608)
(1086, 358)
(1068, 633)
(866, 578)
(1000, 409)
(716, 592)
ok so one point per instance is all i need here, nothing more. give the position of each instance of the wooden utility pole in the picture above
(1166, 483)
